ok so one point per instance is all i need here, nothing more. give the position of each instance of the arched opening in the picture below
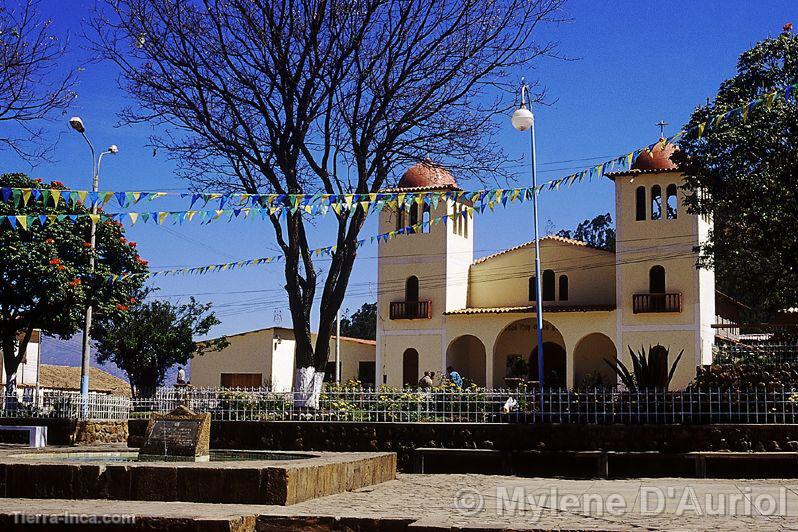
(590, 368)
(548, 285)
(640, 203)
(411, 288)
(670, 202)
(554, 365)
(656, 202)
(410, 367)
(413, 219)
(533, 288)
(400, 217)
(512, 353)
(656, 280)
(563, 288)
(466, 354)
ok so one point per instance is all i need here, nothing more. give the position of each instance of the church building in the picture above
(439, 307)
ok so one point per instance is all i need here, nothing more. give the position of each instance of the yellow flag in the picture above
(134, 217)
(23, 221)
(56, 195)
(82, 195)
(95, 218)
(26, 192)
(701, 127)
(162, 216)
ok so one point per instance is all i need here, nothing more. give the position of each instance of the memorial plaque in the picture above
(180, 433)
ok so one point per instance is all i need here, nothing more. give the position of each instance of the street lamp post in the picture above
(523, 119)
(77, 124)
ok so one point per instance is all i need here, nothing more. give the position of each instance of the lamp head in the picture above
(113, 148)
(523, 118)
(77, 124)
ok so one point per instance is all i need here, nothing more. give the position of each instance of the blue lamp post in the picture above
(523, 120)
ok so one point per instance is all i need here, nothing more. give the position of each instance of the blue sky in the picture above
(634, 63)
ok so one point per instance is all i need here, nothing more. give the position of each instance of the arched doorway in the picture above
(466, 354)
(410, 367)
(554, 365)
(514, 347)
(590, 368)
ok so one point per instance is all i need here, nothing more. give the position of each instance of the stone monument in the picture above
(179, 435)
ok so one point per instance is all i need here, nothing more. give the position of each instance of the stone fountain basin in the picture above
(244, 477)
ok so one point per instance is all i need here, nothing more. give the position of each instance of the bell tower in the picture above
(662, 296)
(420, 274)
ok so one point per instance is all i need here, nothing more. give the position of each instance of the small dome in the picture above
(427, 174)
(659, 158)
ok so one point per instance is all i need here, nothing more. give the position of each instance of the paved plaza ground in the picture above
(441, 502)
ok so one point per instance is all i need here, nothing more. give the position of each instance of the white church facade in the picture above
(439, 307)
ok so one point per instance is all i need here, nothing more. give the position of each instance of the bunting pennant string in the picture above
(246, 204)
(467, 212)
(320, 203)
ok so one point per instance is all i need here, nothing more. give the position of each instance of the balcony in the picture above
(410, 310)
(653, 303)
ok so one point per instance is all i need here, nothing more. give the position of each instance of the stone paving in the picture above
(441, 502)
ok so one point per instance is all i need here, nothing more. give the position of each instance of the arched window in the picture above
(656, 280)
(425, 218)
(548, 285)
(411, 288)
(410, 367)
(640, 203)
(533, 289)
(413, 218)
(670, 203)
(656, 202)
(400, 217)
(563, 288)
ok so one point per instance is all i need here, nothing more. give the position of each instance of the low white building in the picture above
(265, 357)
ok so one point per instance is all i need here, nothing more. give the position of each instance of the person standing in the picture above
(426, 381)
(455, 377)
(181, 375)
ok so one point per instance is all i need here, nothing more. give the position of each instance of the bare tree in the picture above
(33, 80)
(332, 96)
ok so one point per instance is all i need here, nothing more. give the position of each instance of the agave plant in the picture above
(648, 371)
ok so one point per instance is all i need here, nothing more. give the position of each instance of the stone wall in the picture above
(72, 432)
(100, 432)
(403, 438)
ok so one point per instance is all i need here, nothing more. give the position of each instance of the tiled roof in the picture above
(68, 378)
(531, 309)
(555, 238)
(626, 173)
(421, 189)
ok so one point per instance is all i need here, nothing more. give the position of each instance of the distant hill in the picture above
(67, 353)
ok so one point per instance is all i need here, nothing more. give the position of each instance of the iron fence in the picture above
(479, 405)
(438, 405)
(33, 402)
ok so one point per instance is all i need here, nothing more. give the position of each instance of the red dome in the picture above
(659, 158)
(427, 174)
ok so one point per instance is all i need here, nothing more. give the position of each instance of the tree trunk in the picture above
(10, 363)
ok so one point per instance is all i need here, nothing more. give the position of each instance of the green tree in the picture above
(44, 279)
(362, 324)
(153, 336)
(598, 232)
(744, 172)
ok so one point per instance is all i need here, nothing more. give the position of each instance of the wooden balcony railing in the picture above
(645, 303)
(410, 310)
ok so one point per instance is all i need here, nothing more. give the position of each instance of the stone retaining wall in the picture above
(72, 432)
(403, 438)
(100, 432)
